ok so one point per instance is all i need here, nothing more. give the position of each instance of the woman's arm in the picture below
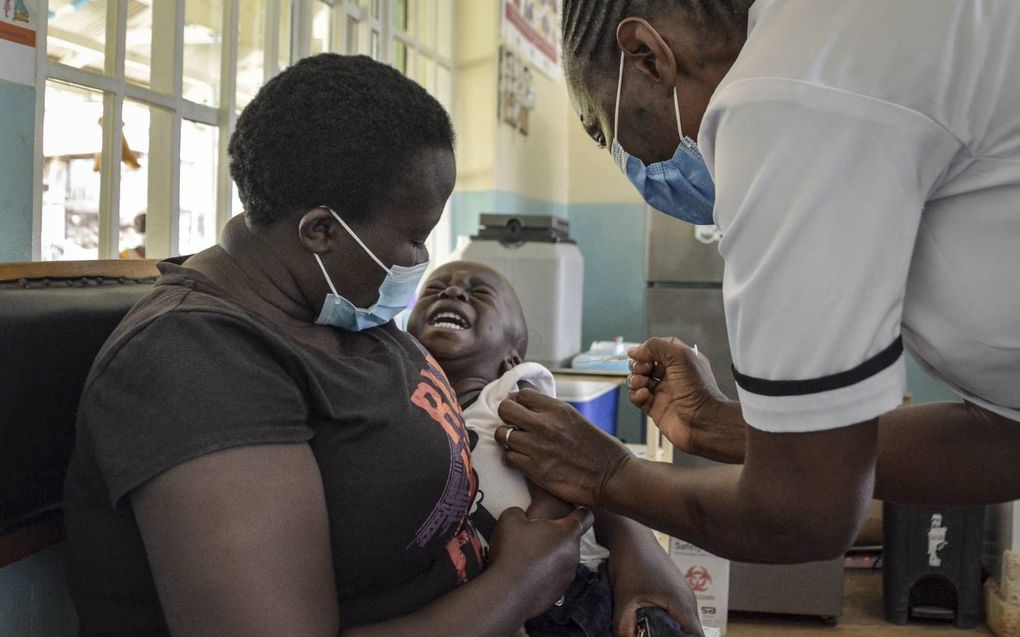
(238, 542)
(533, 562)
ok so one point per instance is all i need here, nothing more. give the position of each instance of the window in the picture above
(141, 96)
(421, 42)
(128, 84)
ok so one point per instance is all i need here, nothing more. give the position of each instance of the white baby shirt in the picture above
(499, 486)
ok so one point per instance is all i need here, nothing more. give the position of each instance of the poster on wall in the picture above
(17, 41)
(516, 97)
(531, 28)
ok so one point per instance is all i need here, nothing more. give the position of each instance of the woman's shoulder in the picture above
(182, 288)
(182, 301)
(183, 315)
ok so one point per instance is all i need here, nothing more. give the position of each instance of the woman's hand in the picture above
(675, 386)
(539, 557)
(556, 448)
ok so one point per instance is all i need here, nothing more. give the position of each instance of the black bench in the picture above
(54, 318)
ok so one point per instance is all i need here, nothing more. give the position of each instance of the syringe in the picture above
(623, 357)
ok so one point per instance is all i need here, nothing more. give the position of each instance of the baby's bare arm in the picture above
(546, 506)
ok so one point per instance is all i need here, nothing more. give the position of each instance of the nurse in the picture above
(863, 165)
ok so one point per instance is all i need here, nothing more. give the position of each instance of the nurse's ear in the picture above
(644, 45)
(318, 230)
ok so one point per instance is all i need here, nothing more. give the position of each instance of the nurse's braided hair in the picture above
(333, 130)
(589, 26)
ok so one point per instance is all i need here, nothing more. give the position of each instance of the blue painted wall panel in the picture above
(17, 148)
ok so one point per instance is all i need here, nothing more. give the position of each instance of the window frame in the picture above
(168, 19)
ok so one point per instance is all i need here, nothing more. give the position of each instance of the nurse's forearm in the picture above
(701, 506)
(947, 453)
(798, 497)
(720, 434)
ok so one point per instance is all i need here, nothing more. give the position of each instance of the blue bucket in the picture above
(596, 400)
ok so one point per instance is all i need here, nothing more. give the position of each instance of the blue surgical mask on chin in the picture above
(680, 186)
(395, 293)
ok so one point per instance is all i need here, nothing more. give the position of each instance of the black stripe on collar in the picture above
(868, 368)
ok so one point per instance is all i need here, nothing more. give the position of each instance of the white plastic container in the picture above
(709, 577)
(548, 278)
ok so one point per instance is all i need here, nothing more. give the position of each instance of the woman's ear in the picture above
(317, 230)
(642, 44)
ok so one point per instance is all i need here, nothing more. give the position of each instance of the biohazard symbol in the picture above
(698, 579)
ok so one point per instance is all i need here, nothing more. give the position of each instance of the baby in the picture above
(470, 319)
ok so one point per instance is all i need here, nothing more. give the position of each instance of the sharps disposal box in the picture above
(537, 255)
(709, 578)
(595, 400)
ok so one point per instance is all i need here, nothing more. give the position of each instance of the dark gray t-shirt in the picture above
(189, 372)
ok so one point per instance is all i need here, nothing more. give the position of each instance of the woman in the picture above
(862, 161)
(260, 451)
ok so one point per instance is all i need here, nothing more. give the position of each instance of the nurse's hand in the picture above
(675, 386)
(557, 449)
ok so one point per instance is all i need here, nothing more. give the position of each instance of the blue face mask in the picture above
(681, 186)
(395, 293)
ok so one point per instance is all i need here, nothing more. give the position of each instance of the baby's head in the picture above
(469, 318)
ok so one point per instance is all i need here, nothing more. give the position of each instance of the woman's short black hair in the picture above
(331, 130)
(589, 26)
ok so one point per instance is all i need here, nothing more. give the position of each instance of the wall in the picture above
(607, 217)
(17, 131)
(923, 388)
(17, 148)
(476, 29)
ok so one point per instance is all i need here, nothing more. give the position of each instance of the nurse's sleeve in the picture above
(819, 197)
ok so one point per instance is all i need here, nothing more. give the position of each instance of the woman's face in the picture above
(396, 234)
